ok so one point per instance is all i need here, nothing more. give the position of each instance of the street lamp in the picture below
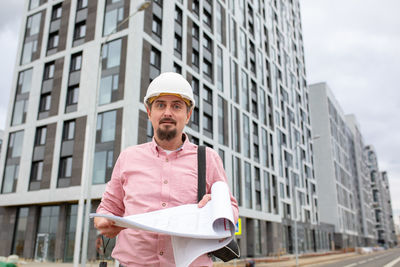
(295, 203)
(86, 188)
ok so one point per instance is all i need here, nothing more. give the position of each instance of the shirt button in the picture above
(164, 204)
(165, 182)
(166, 160)
(161, 253)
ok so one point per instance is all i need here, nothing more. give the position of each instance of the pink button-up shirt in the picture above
(145, 179)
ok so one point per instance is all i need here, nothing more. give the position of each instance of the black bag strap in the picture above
(201, 172)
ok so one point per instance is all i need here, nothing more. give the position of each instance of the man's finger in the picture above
(204, 200)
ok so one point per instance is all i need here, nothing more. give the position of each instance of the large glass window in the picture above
(220, 69)
(222, 134)
(246, 136)
(236, 129)
(106, 123)
(72, 211)
(112, 53)
(24, 81)
(45, 101)
(19, 113)
(248, 186)
(46, 233)
(112, 18)
(103, 160)
(245, 91)
(237, 187)
(30, 43)
(15, 144)
(20, 230)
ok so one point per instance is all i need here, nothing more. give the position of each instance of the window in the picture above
(220, 69)
(246, 136)
(45, 101)
(19, 113)
(80, 30)
(48, 226)
(65, 170)
(155, 58)
(69, 130)
(195, 59)
(196, 7)
(11, 169)
(207, 94)
(222, 131)
(37, 171)
(178, 44)
(245, 91)
(24, 81)
(15, 144)
(82, 4)
(57, 11)
(177, 68)
(112, 53)
(76, 62)
(20, 229)
(49, 71)
(40, 137)
(207, 123)
(207, 68)
(112, 18)
(248, 186)
(156, 26)
(72, 95)
(207, 18)
(53, 40)
(195, 32)
(103, 162)
(106, 123)
(33, 4)
(178, 15)
(237, 187)
(207, 43)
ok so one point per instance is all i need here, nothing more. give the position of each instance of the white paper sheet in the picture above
(194, 230)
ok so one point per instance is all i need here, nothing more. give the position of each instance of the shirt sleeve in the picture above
(215, 172)
(112, 201)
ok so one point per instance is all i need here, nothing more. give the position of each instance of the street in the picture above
(389, 258)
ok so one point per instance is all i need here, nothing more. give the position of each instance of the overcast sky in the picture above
(353, 45)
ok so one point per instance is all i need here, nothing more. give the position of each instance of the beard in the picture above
(166, 134)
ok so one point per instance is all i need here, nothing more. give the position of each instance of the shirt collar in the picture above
(156, 148)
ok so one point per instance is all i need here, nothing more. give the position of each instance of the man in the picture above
(158, 175)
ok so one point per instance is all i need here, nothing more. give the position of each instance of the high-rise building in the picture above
(366, 236)
(333, 171)
(354, 195)
(82, 70)
(382, 207)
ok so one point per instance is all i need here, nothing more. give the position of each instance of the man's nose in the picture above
(168, 111)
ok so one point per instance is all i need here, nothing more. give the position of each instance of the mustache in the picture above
(167, 120)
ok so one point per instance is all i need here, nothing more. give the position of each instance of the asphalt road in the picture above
(390, 258)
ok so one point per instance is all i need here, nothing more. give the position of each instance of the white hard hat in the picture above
(170, 83)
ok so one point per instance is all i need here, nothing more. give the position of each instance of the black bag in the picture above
(230, 251)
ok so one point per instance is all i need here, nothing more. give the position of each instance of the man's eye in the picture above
(177, 107)
(160, 105)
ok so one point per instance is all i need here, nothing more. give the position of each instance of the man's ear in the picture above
(148, 112)
(188, 116)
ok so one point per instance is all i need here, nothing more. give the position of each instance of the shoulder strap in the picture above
(201, 170)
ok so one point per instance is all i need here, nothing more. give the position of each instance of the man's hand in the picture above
(204, 200)
(107, 227)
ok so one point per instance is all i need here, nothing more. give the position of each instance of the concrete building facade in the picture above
(82, 70)
(333, 171)
(382, 207)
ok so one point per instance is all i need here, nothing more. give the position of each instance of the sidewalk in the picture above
(284, 261)
(290, 261)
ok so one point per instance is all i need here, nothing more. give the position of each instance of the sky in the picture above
(353, 45)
